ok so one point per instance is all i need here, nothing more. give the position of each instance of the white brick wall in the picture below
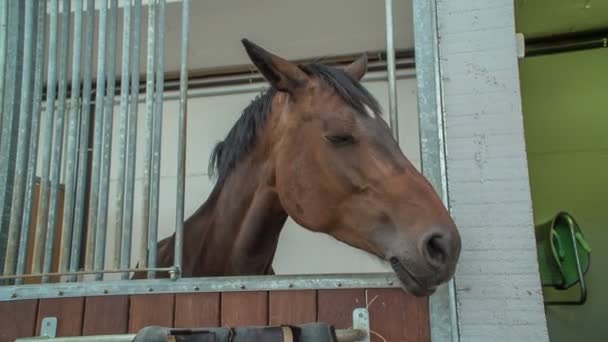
(497, 282)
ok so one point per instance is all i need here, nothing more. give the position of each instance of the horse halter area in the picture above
(57, 160)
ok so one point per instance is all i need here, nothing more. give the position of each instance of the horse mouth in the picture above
(408, 281)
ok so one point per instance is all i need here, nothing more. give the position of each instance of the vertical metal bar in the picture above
(10, 122)
(83, 149)
(156, 139)
(108, 116)
(390, 62)
(181, 145)
(70, 166)
(127, 230)
(122, 133)
(47, 141)
(143, 246)
(58, 143)
(3, 28)
(34, 135)
(23, 139)
(96, 165)
(442, 304)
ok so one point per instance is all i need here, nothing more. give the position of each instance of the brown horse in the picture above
(315, 147)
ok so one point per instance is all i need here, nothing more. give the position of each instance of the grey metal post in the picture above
(108, 116)
(390, 63)
(444, 320)
(143, 245)
(127, 230)
(74, 121)
(58, 143)
(23, 140)
(122, 132)
(34, 135)
(96, 165)
(47, 140)
(83, 149)
(181, 145)
(156, 139)
(3, 28)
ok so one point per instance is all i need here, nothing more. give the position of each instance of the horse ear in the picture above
(282, 75)
(358, 68)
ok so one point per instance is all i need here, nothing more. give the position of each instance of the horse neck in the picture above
(236, 231)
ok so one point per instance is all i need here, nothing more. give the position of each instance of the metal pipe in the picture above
(390, 59)
(122, 133)
(83, 149)
(58, 143)
(181, 145)
(23, 139)
(3, 29)
(127, 230)
(70, 166)
(156, 139)
(143, 245)
(47, 141)
(95, 167)
(34, 135)
(108, 116)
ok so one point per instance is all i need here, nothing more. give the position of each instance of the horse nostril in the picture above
(436, 249)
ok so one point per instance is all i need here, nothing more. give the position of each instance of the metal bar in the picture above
(143, 246)
(181, 145)
(156, 139)
(83, 149)
(108, 116)
(34, 136)
(96, 165)
(390, 63)
(444, 318)
(209, 284)
(58, 143)
(122, 133)
(23, 139)
(127, 230)
(59, 274)
(70, 166)
(47, 141)
(3, 29)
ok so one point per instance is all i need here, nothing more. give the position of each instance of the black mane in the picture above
(243, 135)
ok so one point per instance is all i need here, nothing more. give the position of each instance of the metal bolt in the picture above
(390, 282)
(150, 289)
(339, 284)
(290, 285)
(13, 295)
(243, 286)
(196, 288)
(105, 291)
(60, 293)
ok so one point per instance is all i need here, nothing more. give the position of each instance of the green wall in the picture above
(565, 105)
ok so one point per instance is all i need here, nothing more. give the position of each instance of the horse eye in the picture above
(341, 139)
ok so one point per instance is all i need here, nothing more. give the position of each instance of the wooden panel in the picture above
(17, 319)
(336, 306)
(292, 307)
(106, 315)
(68, 312)
(147, 310)
(398, 316)
(194, 310)
(244, 308)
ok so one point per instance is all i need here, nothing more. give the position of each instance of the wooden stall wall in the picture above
(394, 314)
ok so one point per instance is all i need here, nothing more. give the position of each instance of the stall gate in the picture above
(54, 214)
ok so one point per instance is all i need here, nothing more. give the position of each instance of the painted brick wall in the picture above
(498, 287)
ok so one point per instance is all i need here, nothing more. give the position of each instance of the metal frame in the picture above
(442, 304)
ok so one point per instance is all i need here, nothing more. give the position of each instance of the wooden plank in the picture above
(292, 307)
(106, 315)
(398, 316)
(244, 308)
(145, 310)
(336, 306)
(196, 310)
(69, 312)
(17, 319)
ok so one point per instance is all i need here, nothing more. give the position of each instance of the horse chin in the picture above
(409, 282)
